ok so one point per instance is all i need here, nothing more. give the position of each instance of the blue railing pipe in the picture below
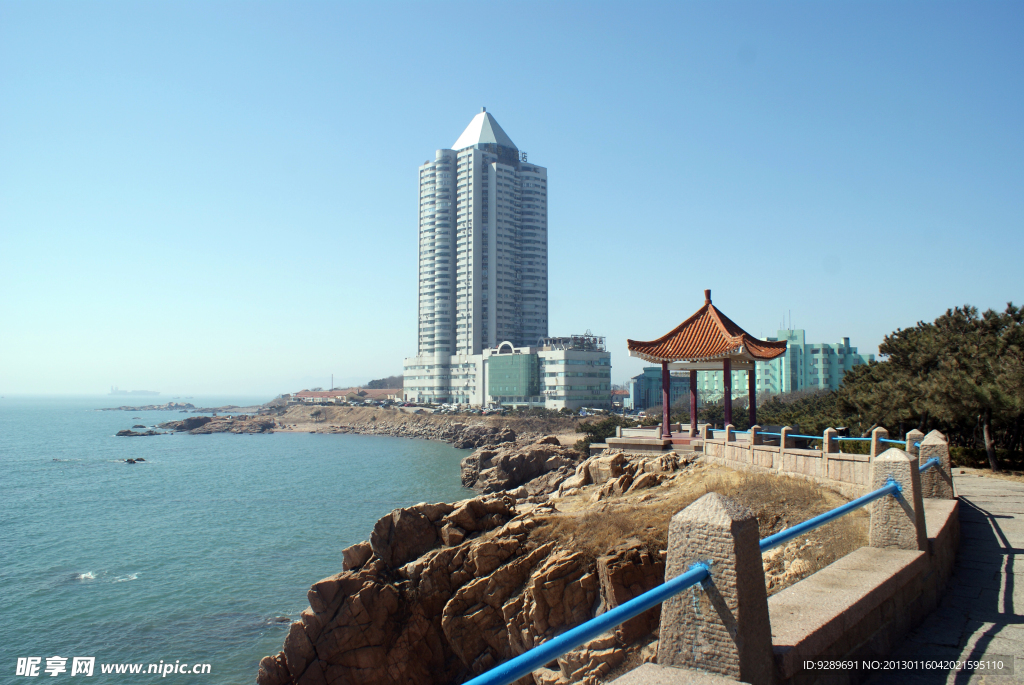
(781, 538)
(808, 437)
(893, 442)
(529, 661)
(931, 463)
(844, 439)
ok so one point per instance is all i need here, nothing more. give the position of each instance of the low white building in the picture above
(570, 372)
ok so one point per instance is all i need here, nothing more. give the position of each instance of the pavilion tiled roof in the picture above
(707, 335)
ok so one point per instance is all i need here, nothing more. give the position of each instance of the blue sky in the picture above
(220, 197)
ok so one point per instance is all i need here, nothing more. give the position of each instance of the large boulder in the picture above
(626, 572)
(355, 556)
(191, 423)
(493, 469)
(603, 469)
(480, 436)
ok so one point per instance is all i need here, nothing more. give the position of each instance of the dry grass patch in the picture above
(778, 502)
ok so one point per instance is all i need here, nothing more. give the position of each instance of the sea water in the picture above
(194, 555)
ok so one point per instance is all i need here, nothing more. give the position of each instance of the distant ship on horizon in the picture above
(114, 391)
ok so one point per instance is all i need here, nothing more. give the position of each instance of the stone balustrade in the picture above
(859, 607)
(849, 474)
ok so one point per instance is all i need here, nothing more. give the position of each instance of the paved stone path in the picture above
(982, 613)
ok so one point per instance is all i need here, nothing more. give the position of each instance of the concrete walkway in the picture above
(982, 613)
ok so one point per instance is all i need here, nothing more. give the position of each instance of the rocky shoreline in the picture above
(445, 591)
(462, 432)
(441, 592)
(187, 407)
(242, 423)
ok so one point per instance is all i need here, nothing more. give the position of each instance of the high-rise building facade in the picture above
(483, 268)
(483, 258)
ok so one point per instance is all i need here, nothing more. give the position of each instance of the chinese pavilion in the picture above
(707, 341)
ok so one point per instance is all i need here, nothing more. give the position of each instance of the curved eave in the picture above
(741, 352)
(737, 353)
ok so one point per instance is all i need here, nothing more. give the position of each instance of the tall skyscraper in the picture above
(483, 267)
(483, 262)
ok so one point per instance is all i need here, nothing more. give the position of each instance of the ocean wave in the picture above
(88, 575)
(125, 579)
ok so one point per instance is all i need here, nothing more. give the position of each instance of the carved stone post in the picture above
(785, 441)
(914, 439)
(755, 435)
(898, 521)
(722, 627)
(730, 435)
(877, 446)
(830, 444)
(936, 482)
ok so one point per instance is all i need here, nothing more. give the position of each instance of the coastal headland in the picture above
(465, 431)
(440, 592)
(462, 431)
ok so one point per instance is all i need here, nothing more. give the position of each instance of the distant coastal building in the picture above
(483, 262)
(571, 372)
(804, 366)
(645, 389)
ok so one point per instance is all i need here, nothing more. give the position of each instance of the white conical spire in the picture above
(483, 129)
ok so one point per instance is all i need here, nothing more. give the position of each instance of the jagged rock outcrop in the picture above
(203, 425)
(354, 556)
(480, 436)
(420, 604)
(493, 469)
(237, 424)
(626, 572)
(188, 424)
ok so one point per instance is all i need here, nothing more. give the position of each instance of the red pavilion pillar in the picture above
(727, 382)
(752, 394)
(693, 403)
(666, 381)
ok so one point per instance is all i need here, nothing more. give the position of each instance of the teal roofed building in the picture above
(804, 366)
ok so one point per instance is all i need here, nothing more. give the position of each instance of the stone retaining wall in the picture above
(848, 474)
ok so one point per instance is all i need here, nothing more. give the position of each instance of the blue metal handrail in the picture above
(931, 463)
(843, 438)
(807, 437)
(893, 442)
(532, 659)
